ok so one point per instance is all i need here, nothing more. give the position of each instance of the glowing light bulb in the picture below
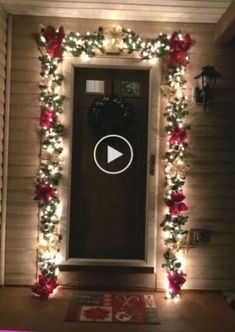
(58, 259)
(85, 57)
(50, 149)
(153, 61)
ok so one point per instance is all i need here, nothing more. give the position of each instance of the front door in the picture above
(108, 211)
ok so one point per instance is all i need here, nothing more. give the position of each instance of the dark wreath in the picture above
(111, 115)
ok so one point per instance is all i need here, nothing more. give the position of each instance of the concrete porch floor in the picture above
(196, 312)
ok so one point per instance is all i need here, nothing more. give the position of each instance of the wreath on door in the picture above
(111, 115)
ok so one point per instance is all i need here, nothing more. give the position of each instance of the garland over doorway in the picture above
(53, 43)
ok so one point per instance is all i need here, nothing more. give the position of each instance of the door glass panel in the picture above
(130, 88)
(94, 86)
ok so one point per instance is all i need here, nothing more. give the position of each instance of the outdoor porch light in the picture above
(206, 83)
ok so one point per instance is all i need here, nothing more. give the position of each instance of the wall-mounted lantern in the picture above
(206, 83)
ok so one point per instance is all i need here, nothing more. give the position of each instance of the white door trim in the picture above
(69, 63)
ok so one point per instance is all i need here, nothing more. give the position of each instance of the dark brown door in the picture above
(108, 212)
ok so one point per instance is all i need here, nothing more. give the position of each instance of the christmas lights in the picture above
(175, 112)
(49, 173)
(52, 44)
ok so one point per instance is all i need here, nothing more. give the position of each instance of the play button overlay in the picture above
(113, 154)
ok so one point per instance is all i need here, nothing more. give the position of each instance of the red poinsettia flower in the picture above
(47, 118)
(45, 286)
(176, 281)
(54, 40)
(44, 192)
(96, 313)
(178, 49)
(175, 204)
(178, 135)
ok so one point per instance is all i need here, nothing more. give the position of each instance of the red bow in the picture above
(47, 118)
(44, 192)
(45, 286)
(176, 281)
(54, 40)
(175, 204)
(177, 196)
(178, 134)
(182, 44)
(178, 49)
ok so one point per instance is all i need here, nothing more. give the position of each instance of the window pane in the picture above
(94, 86)
(130, 88)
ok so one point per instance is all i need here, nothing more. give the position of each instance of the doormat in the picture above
(112, 308)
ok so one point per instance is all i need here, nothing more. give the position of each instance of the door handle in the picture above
(152, 163)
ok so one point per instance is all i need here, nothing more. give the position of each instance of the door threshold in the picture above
(96, 268)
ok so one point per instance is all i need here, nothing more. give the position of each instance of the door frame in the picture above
(121, 62)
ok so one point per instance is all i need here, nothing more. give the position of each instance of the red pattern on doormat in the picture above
(96, 313)
(116, 307)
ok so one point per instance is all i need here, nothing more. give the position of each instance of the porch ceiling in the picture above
(196, 11)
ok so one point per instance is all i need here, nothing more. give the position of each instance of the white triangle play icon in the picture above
(112, 154)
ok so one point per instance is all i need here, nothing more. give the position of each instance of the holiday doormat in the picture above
(112, 308)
